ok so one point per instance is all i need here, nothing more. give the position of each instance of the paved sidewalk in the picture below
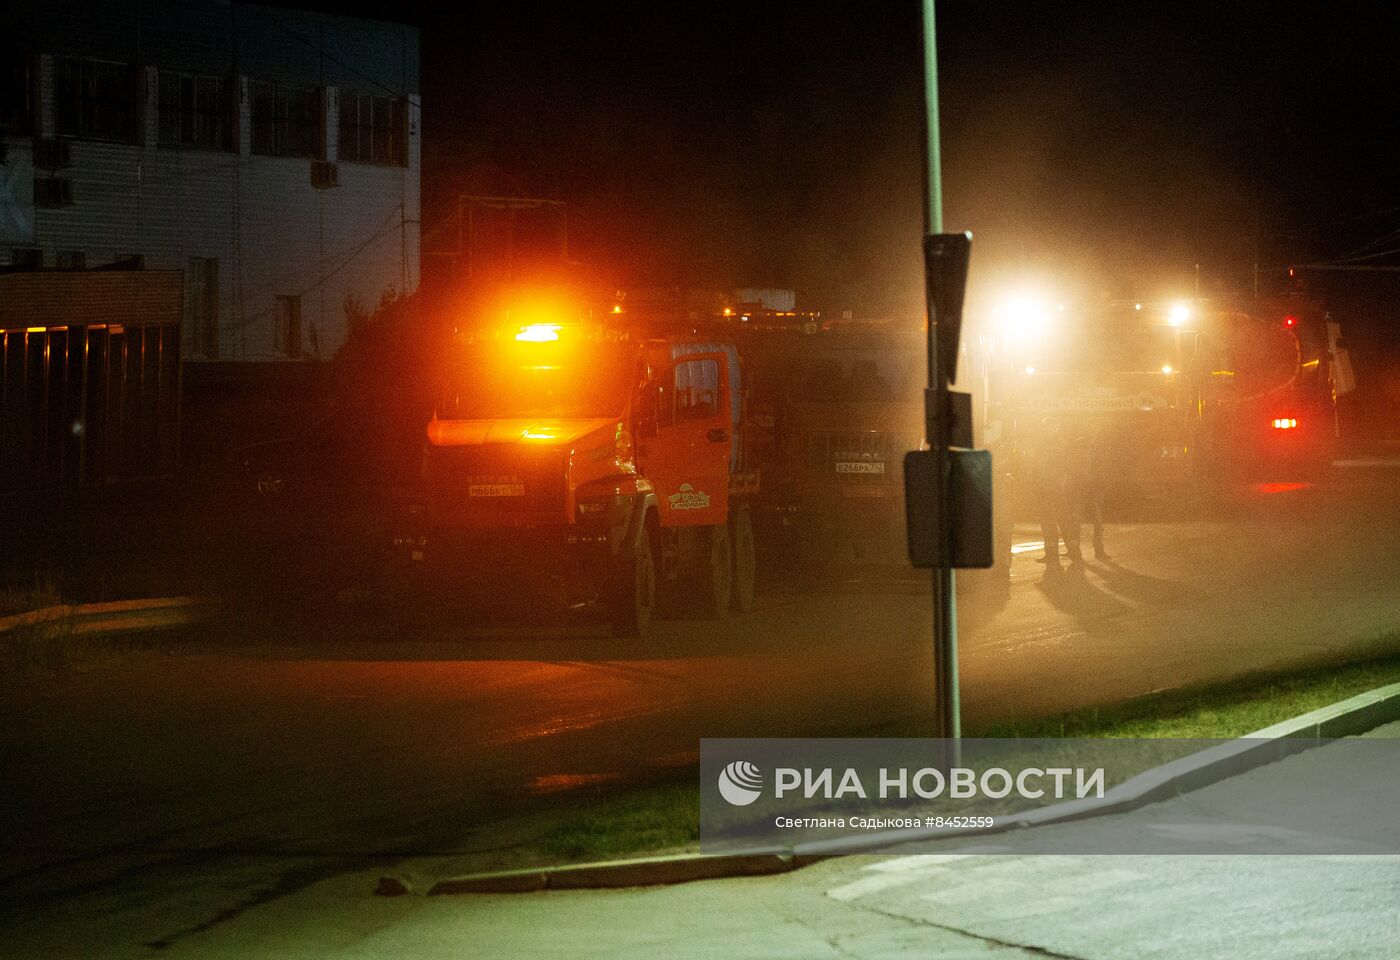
(971, 906)
(985, 907)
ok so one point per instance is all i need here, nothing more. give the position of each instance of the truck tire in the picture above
(716, 573)
(744, 560)
(635, 594)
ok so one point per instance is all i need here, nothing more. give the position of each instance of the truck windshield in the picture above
(1096, 345)
(872, 376)
(565, 381)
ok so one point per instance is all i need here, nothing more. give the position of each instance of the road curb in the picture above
(645, 872)
(113, 617)
(1349, 717)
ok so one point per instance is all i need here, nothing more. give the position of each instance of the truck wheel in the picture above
(636, 593)
(745, 562)
(713, 594)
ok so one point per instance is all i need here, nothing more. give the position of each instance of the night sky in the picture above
(779, 143)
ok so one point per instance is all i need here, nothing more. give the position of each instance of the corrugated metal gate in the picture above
(85, 401)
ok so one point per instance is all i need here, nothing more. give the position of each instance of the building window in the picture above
(373, 129)
(16, 93)
(95, 99)
(288, 332)
(52, 193)
(286, 120)
(71, 260)
(195, 111)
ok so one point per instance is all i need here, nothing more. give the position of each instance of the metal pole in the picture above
(945, 613)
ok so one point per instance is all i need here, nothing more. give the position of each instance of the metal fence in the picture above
(88, 404)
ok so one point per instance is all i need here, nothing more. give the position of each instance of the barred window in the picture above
(95, 99)
(286, 120)
(373, 129)
(195, 111)
(16, 92)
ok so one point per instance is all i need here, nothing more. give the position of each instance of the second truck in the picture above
(1185, 394)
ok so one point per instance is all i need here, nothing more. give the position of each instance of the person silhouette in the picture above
(1092, 467)
(1051, 487)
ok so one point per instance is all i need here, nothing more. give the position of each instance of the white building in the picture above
(272, 155)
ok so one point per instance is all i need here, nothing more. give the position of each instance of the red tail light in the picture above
(1290, 321)
(1285, 423)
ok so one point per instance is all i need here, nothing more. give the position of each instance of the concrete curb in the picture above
(114, 617)
(1353, 716)
(648, 871)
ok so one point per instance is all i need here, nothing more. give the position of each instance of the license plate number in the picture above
(865, 466)
(496, 490)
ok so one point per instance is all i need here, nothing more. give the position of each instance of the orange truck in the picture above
(603, 465)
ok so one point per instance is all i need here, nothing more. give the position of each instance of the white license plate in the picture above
(496, 490)
(863, 466)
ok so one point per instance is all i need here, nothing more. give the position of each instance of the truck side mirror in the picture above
(647, 412)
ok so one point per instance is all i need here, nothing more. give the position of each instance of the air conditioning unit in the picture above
(51, 155)
(324, 174)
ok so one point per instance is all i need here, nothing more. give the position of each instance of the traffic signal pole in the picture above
(948, 723)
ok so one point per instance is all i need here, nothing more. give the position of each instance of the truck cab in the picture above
(593, 468)
(838, 404)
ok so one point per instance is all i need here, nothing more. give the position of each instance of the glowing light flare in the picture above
(1180, 313)
(555, 782)
(538, 333)
(1290, 321)
(1023, 318)
(1285, 423)
(1166, 368)
(1268, 489)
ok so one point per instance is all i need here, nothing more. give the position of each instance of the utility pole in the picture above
(948, 725)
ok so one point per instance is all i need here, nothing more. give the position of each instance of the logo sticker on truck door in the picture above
(688, 498)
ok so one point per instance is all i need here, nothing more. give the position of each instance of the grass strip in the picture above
(665, 817)
(1219, 710)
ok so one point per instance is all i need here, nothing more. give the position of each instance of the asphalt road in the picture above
(154, 799)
